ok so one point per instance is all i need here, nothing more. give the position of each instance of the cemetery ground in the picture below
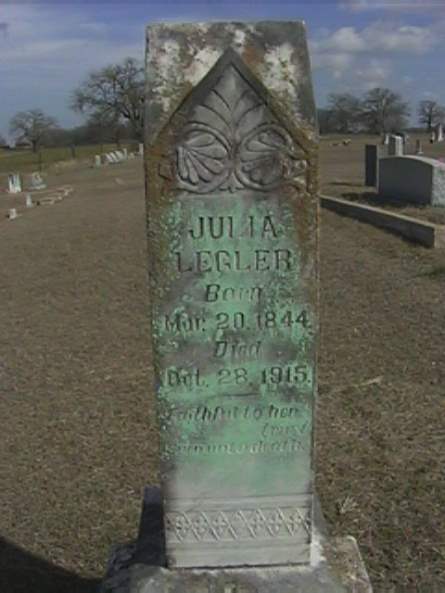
(79, 436)
(27, 161)
(343, 173)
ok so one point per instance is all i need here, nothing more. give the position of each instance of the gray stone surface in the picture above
(413, 179)
(371, 165)
(232, 212)
(336, 566)
(395, 146)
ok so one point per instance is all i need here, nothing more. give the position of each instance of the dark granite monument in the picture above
(232, 205)
(372, 155)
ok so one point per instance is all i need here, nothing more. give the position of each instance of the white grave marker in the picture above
(14, 183)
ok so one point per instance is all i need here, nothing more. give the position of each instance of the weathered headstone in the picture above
(232, 208)
(439, 132)
(28, 201)
(37, 181)
(12, 214)
(419, 150)
(371, 165)
(385, 140)
(395, 146)
(14, 183)
(234, 310)
(141, 149)
(412, 179)
(97, 160)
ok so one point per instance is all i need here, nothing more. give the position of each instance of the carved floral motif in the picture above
(232, 140)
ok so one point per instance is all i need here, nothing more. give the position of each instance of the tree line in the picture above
(112, 101)
(378, 111)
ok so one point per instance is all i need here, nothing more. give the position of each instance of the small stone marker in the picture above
(28, 201)
(371, 165)
(12, 214)
(439, 132)
(97, 161)
(125, 153)
(385, 140)
(419, 147)
(37, 181)
(395, 146)
(232, 209)
(141, 149)
(14, 183)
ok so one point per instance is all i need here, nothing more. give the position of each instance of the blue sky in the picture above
(46, 49)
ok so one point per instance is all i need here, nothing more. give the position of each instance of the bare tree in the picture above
(344, 112)
(31, 126)
(430, 113)
(115, 94)
(384, 111)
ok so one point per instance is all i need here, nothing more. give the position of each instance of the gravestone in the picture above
(439, 132)
(419, 150)
(232, 209)
(234, 317)
(395, 146)
(371, 165)
(14, 183)
(28, 201)
(141, 149)
(97, 160)
(37, 181)
(12, 214)
(385, 140)
(412, 179)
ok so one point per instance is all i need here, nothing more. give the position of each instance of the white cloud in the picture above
(373, 73)
(379, 37)
(46, 50)
(370, 50)
(345, 39)
(336, 63)
(392, 5)
(430, 95)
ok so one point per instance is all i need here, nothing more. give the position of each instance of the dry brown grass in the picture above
(79, 438)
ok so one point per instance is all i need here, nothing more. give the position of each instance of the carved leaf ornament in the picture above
(232, 141)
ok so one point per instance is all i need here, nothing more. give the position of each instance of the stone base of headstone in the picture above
(140, 567)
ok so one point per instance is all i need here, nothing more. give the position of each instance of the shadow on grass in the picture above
(22, 572)
(373, 199)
